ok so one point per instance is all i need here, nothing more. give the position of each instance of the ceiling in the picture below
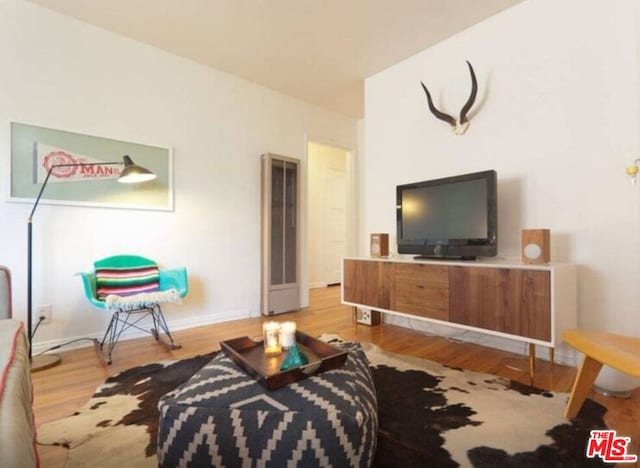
(317, 51)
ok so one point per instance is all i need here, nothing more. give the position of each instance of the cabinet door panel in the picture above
(421, 290)
(476, 297)
(531, 304)
(367, 283)
(511, 301)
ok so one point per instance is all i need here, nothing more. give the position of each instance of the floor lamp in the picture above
(131, 173)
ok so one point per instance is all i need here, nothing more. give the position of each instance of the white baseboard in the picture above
(563, 354)
(132, 333)
(318, 284)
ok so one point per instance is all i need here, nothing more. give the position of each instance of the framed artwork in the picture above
(35, 149)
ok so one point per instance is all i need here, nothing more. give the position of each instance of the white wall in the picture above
(556, 116)
(61, 73)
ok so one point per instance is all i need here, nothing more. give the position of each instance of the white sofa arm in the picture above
(17, 436)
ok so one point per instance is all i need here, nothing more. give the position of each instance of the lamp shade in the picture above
(132, 173)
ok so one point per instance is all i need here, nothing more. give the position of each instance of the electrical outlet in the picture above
(367, 316)
(43, 311)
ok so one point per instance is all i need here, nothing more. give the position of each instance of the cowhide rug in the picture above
(429, 415)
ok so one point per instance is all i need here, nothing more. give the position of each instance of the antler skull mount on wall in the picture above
(460, 126)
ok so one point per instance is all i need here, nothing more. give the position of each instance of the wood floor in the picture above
(63, 389)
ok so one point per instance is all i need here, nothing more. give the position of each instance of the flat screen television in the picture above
(453, 217)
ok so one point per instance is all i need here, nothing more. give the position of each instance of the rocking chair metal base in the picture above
(122, 320)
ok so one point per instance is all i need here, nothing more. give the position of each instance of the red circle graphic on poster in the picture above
(60, 157)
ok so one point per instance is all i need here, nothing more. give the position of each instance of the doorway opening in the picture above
(330, 208)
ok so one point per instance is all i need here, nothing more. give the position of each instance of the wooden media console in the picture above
(527, 303)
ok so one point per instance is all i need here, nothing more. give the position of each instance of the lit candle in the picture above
(287, 334)
(271, 331)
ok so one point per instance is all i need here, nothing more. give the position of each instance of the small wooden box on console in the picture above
(528, 303)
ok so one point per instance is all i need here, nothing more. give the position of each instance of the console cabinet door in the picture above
(368, 283)
(513, 301)
(421, 290)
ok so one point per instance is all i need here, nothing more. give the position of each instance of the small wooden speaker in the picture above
(536, 246)
(379, 245)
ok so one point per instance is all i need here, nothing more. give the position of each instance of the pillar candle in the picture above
(271, 331)
(287, 334)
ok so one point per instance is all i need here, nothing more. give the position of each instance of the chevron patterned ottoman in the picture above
(223, 417)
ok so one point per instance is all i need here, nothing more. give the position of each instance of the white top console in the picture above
(529, 303)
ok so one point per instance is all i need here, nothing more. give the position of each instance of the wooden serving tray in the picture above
(249, 355)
